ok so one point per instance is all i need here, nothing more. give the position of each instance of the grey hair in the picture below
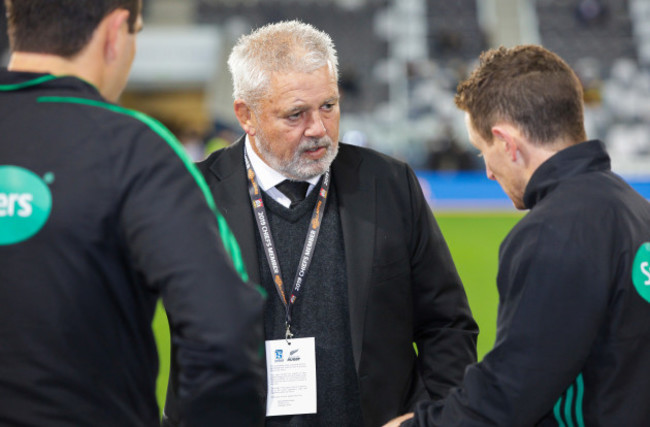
(286, 46)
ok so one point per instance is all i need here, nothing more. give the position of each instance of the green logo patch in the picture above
(25, 204)
(641, 271)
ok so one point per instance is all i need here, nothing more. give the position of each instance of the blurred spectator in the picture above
(591, 12)
(349, 84)
(588, 71)
(447, 154)
(447, 41)
(193, 143)
(222, 137)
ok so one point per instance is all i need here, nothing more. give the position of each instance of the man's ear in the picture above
(508, 136)
(113, 25)
(245, 116)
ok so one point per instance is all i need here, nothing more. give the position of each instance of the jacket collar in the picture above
(229, 162)
(17, 80)
(589, 156)
(357, 197)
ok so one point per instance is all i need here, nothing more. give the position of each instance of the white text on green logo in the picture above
(641, 271)
(25, 204)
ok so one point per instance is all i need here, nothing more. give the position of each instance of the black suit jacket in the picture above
(402, 284)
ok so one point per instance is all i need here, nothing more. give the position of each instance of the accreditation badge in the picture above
(291, 376)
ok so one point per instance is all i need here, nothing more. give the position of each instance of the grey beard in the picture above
(297, 167)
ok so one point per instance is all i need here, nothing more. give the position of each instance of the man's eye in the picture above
(294, 116)
(328, 107)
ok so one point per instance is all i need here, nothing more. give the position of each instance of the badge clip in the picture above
(288, 335)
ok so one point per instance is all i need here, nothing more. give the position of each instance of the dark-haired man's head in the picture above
(62, 27)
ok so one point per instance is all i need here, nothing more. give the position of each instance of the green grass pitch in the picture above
(473, 239)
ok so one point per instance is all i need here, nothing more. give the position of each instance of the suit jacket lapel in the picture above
(357, 206)
(230, 190)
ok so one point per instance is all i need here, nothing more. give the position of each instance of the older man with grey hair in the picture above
(343, 241)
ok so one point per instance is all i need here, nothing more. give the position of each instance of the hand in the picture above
(396, 422)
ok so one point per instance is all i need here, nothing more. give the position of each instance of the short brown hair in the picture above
(60, 27)
(529, 86)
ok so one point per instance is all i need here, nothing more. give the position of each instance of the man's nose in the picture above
(315, 127)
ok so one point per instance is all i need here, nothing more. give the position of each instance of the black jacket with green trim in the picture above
(573, 335)
(81, 270)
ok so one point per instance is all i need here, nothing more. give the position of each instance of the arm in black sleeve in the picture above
(172, 238)
(445, 331)
(553, 300)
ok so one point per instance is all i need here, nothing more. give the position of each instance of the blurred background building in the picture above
(400, 61)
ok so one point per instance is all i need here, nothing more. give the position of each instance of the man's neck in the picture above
(55, 65)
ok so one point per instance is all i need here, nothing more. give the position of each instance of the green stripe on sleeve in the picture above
(580, 385)
(571, 408)
(557, 412)
(228, 239)
(568, 406)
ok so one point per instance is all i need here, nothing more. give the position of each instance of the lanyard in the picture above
(269, 245)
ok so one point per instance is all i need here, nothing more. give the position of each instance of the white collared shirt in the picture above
(267, 177)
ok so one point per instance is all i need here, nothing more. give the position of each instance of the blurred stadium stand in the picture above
(598, 29)
(400, 61)
(358, 46)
